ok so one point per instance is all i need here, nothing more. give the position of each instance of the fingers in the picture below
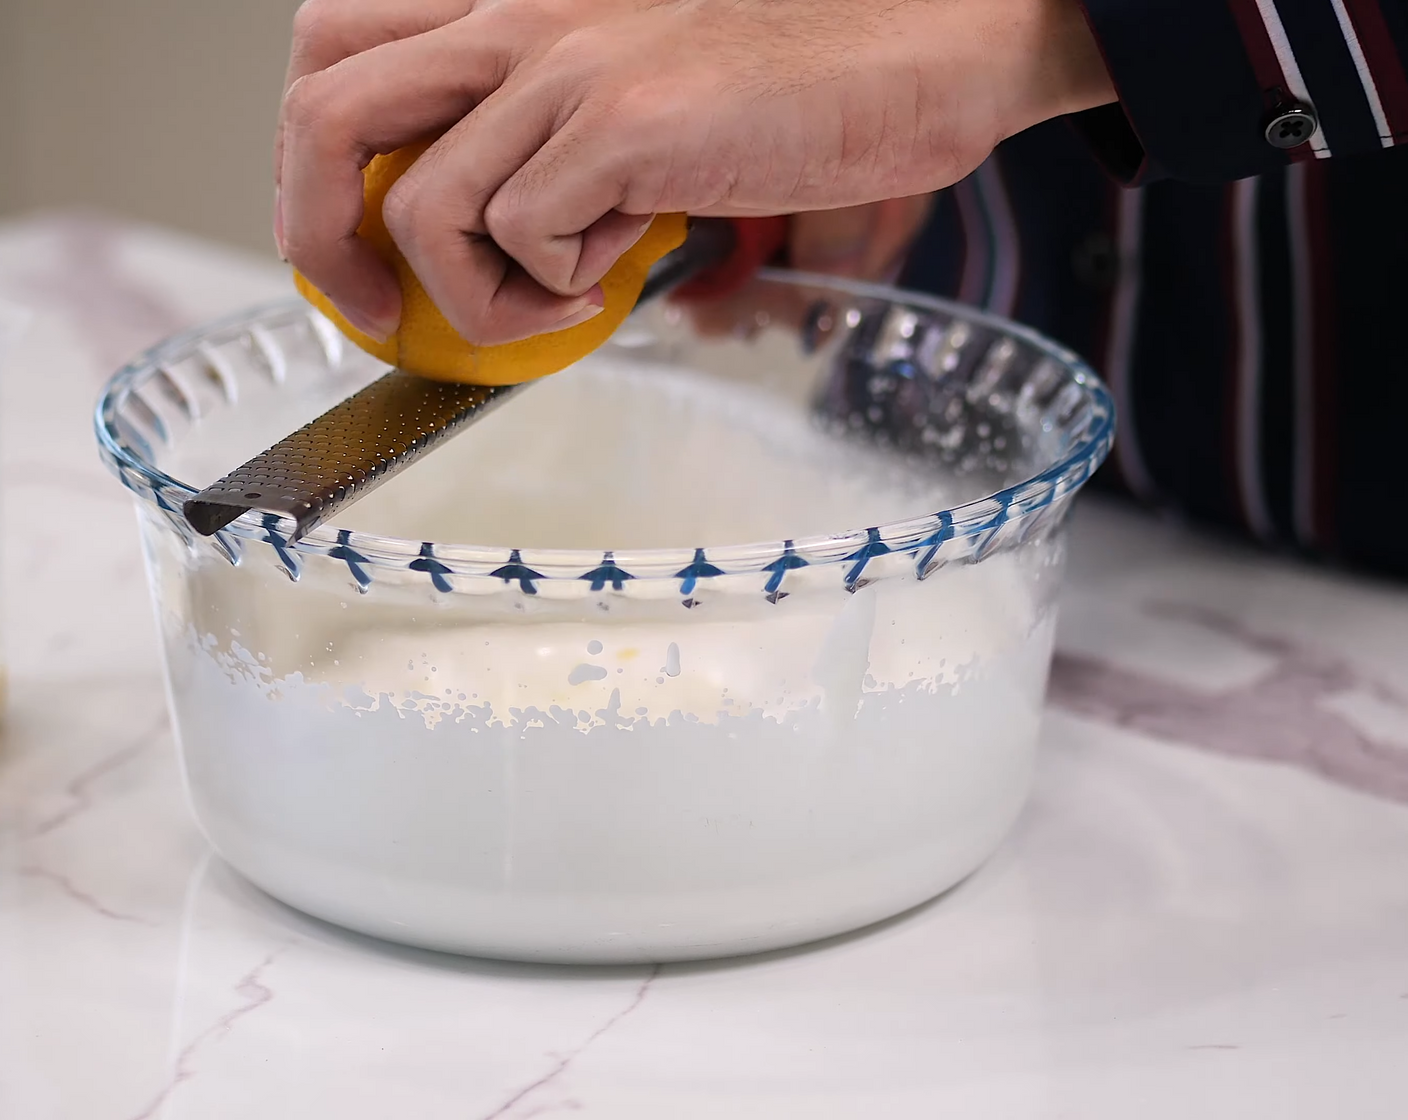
(556, 215)
(335, 121)
(565, 263)
(538, 177)
(327, 31)
(436, 215)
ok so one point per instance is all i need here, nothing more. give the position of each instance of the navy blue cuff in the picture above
(1190, 105)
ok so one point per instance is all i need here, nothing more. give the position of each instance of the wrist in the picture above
(1055, 63)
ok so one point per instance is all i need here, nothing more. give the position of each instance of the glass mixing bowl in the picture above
(617, 754)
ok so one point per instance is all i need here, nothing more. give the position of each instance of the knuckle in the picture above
(581, 50)
(320, 111)
(514, 223)
(515, 16)
(516, 228)
(507, 219)
(404, 213)
(636, 117)
(305, 103)
(316, 22)
(657, 106)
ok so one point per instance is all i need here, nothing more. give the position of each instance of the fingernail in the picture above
(577, 318)
(594, 305)
(279, 224)
(380, 331)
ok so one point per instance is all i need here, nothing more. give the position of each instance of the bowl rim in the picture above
(981, 515)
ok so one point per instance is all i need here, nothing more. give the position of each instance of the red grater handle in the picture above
(757, 243)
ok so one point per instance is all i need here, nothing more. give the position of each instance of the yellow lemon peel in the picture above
(427, 345)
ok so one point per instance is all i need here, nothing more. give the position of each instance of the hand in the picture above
(570, 122)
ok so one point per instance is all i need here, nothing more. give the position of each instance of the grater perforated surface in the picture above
(349, 450)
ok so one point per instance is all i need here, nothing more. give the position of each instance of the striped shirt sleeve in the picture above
(1215, 90)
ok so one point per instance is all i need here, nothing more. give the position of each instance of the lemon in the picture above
(427, 345)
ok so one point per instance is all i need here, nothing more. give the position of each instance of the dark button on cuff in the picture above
(1292, 126)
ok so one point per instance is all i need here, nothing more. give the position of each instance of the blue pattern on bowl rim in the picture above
(965, 533)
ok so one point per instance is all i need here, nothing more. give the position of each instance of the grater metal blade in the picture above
(346, 452)
(375, 433)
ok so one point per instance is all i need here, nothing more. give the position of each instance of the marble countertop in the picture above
(1203, 911)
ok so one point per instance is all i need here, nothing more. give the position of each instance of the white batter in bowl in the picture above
(605, 737)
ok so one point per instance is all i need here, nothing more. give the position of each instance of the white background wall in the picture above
(157, 109)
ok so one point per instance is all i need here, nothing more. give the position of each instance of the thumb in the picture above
(866, 242)
(898, 221)
(832, 241)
